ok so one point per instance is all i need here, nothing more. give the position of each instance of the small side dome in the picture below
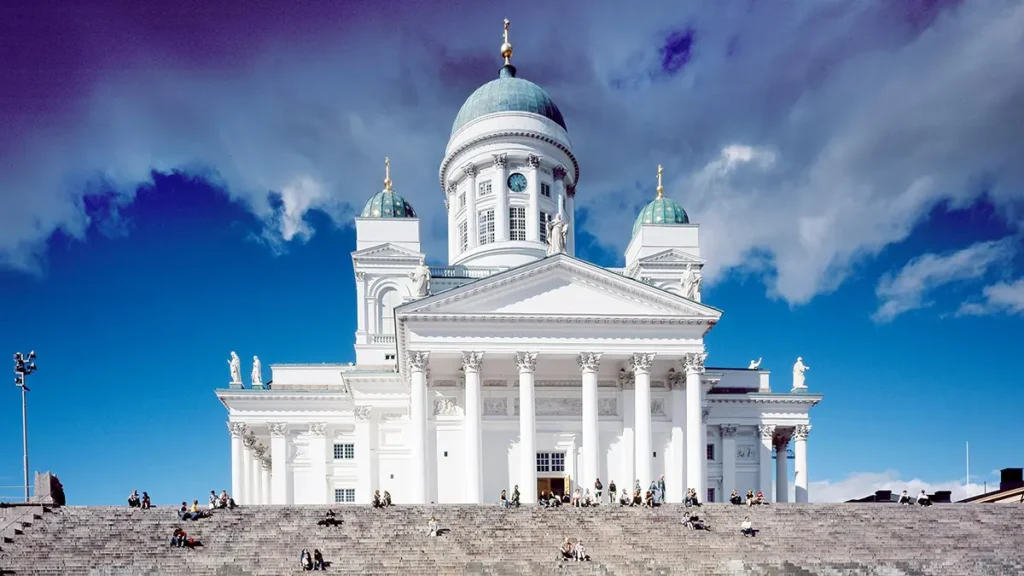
(661, 210)
(387, 203)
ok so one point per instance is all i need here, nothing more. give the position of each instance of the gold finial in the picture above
(387, 173)
(506, 47)
(661, 189)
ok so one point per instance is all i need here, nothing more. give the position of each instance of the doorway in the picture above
(556, 485)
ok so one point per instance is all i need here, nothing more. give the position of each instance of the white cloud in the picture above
(997, 298)
(909, 288)
(861, 484)
(803, 137)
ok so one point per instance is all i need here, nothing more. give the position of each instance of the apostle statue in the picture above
(236, 368)
(257, 373)
(557, 231)
(798, 374)
(754, 364)
(690, 283)
(420, 281)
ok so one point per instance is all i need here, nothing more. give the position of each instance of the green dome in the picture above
(508, 94)
(388, 204)
(661, 210)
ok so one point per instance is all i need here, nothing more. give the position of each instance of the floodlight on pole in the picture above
(24, 364)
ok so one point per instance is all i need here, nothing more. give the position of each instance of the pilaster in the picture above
(533, 198)
(728, 460)
(280, 478)
(500, 190)
(318, 463)
(472, 228)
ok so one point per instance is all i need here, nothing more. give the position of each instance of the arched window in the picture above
(388, 300)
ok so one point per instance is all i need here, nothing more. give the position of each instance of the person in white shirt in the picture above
(579, 552)
(576, 498)
(432, 526)
(923, 499)
(587, 498)
(745, 528)
(905, 498)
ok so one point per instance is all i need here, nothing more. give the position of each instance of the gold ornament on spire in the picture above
(387, 174)
(506, 47)
(661, 189)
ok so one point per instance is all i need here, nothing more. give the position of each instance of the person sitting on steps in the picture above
(750, 497)
(178, 538)
(433, 527)
(133, 499)
(226, 501)
(904, 498)
(576, 498)
(588, 499)
(377, 501)
(693, 522)
(566, 550)
(503, 500)
(329, 520)
(305, 560)
(387, 498)
(691, 497)
(746, 529)
(649, 499)
(214, 501)
(579, 552)
(515, 496)
(318, 560)
(923, 499)
(624, 499)
(187, 514)
(146, 504)
(735, 498)
(758, 500)
(638, 500)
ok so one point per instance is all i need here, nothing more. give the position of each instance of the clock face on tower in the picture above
(517, 182)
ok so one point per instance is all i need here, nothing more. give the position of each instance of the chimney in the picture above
(1010, 478)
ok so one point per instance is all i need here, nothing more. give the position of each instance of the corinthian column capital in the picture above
(589, 361)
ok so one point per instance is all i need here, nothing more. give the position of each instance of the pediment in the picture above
(559, 286)
(386, 252)
(671, 256)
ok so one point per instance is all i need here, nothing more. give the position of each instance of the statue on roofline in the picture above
(257, 373)
(557, 230)
(799, 382)
(754, 364)
(236, 368)
(690, 283)
(420, 281)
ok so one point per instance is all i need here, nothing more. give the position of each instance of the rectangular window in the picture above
(463, 236)
(345, 495)
(486, 226)
(517, 223)
(550, 461)
(344, 451)
(544, 219)
(711, 495)
(545, 189)
(711, 452)
(462, 200)
(484, 188)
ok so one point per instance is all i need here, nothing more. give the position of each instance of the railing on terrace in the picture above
(382, 338)
(464, 272)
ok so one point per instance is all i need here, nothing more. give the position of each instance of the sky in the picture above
(178, 180)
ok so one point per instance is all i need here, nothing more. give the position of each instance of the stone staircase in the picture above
(794, 539)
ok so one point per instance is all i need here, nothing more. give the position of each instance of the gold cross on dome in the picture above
(661, 189)
(506, 31)
(387, 173)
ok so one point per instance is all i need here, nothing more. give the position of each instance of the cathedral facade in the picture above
(517, 364)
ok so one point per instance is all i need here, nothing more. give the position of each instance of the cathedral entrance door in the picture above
(549, 485)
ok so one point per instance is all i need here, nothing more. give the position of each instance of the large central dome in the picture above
(508, 94)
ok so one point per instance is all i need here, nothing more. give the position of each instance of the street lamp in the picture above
(23, 366)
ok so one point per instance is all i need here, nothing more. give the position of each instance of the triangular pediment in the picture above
(386, 252)
(671, 256)
(559, 286)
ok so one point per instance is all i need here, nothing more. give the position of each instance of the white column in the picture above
(675, 475)
(704, 449)
(641, 365)
(365, 454)
(728, 461)
(280, 479)
(533, 198)
(418, 362)
(471, 364)
(247, 461)
(589, 362)
(767, 434)
(318, 462)
(696, 453)
(781, 470)
(628, 411)
(265, 480)
(257, 474)
(527, 362)
(451, 202)
(237, 430)
(558, 173)
(800, 465)
(471, 219)
(570, 212)
(500, 190)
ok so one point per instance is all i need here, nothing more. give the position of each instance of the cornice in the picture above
(809, 399)
(450, 156)
(558, 319)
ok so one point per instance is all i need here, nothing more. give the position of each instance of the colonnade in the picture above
(251, 466)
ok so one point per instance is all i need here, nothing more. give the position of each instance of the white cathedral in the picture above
(517, 364)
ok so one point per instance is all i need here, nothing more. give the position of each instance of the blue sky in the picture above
(192, 193)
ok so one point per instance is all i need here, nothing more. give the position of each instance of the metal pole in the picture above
(24, 435)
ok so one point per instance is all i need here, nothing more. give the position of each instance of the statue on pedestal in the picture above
(690, 283)
(798, 374)
(557, 232)
(236, 368)
(754, 364)
(420, 281)
(257, 373)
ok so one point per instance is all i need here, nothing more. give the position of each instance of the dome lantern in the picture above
(387, 203)
(661, 210)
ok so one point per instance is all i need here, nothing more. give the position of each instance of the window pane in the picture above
(544, 219)
(463, 236)
(545, 189)
(484, 188)
(517, 223)
(462, 199)
(711, 452)
(486, 226)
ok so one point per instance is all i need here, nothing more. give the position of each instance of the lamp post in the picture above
(23, 366)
